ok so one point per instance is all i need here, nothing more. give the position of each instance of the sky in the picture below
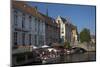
(83, 16)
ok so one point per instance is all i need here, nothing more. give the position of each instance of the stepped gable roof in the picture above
(63, 19)
(68, 23)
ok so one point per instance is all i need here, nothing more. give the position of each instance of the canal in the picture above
(70, 58)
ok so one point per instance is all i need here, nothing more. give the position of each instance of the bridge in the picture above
(87, 47)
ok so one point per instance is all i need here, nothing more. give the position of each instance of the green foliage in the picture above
(67, 45)
(85, 35)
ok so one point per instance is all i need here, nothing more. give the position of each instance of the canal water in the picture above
(69, 58)
(79, 57)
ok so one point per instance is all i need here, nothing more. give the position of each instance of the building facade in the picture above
(68, 32)
(52, 34)
(32, 28)
(28, 27)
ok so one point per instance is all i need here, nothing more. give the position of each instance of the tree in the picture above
(67, 45)
(85, 35)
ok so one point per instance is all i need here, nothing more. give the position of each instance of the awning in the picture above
(34, 47)
(45, 46)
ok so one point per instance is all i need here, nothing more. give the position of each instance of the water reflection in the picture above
(67, 58)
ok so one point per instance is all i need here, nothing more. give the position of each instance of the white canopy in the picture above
(34, 47)
(44, 46)
(50, 49)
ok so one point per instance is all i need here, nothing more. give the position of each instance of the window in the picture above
(30, 39)
(42, 28)
(41, 40)
(23, 21)
(58, 21)
(15, 38)
(62, 38)
(39, 20)
(38, 27)
(23, 39)
(35, 24)
(30, 20)
(15, 18)
(35, 38)
(35, 19)
(62, 30)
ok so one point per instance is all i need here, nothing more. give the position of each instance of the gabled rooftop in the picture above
(21, 5)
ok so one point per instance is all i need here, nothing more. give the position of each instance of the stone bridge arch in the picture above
(85, 47)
